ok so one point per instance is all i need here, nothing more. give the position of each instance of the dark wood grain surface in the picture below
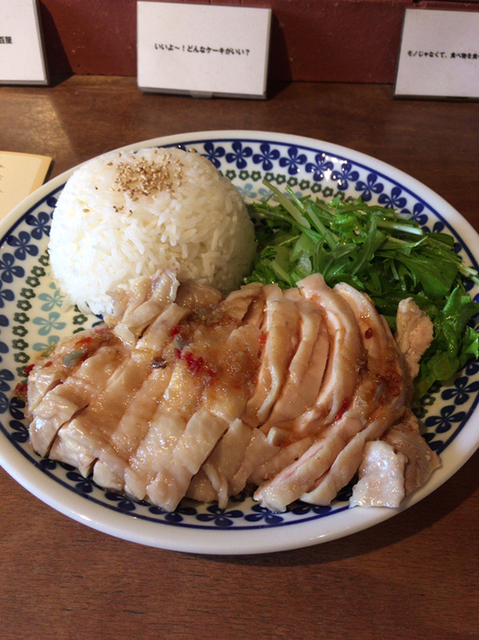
(414, 576)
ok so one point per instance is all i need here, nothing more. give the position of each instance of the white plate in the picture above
(30, 319)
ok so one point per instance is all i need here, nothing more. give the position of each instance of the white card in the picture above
(203, 50)
(439, 56)
(21, 50)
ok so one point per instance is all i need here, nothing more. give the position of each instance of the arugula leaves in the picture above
(375, 250)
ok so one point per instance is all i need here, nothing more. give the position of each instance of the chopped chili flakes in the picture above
(84, 342)
(28, 370)
(342, 409)
(21, 390)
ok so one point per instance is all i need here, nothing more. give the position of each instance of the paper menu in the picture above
(203, 50)
(20, 175)
(22, 59)
(439, 55)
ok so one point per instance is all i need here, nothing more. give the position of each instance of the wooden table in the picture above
(414, 576)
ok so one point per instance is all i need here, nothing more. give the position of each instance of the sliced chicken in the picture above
(281, 328)
(197, 296)
(50, 371)
(201, 488)
(348, 459)
(192, 448)
(304, 376)
(378, 401)
(131, 430)
(345, 358)
(257, 451)
(238, 303)
(184, 393)
(415, 332)
(85, 436)
(395, 466)
(154, 452)
(381, 477)
(151, 296)
(135, 420)
(103, 414)
(421, 460)
(414, 335)
(225, 460)
(314, 475)
(298, 477)
(66, 399)
(255, 313)
(179, 403)
(226, 398)
(232, 355)
(284, 456)
(215, 362)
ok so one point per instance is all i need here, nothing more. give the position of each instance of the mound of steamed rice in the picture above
(127, 214)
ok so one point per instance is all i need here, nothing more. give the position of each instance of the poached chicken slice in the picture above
(225, 461)
(150, 297)
(411, 456)
(283, 457)
(415, 332)
(179, 402)
(347, 461)
(233, 356)
(381, 477)
(226, 398)
(85, 382)
(421, 460)
(50, 371)
(281, 330)
(215, 365)
(201, 488)
(197, 296)
(258, 450)
(155, 449)
(238, 303)
(131, 430)
(101, 417)
(306, 370)
(345, 358)
(198, 439)
(395, 466)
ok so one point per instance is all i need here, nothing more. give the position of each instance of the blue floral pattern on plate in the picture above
(31, 318)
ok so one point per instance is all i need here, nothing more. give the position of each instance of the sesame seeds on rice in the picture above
(127, 214)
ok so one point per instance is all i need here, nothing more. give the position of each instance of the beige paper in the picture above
(20, 175)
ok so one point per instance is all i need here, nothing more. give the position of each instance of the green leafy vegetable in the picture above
(379, 252)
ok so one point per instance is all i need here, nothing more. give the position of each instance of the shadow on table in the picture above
(408, 523)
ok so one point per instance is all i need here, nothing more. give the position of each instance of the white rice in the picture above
(127, 214)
